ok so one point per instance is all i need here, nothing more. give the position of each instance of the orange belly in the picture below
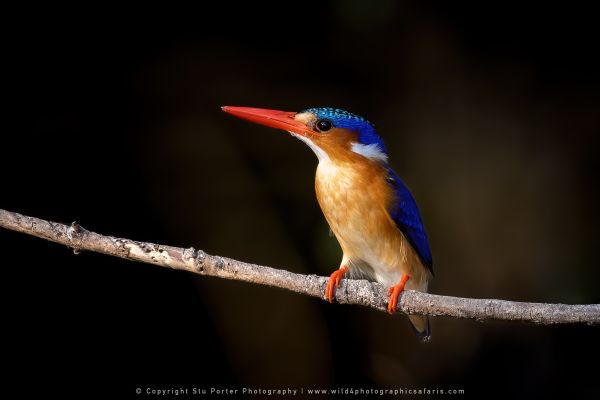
(355, 200)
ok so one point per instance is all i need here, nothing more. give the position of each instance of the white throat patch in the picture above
(371, 151)
(321, 155)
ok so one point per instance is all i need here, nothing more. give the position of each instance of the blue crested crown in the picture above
(346, 120)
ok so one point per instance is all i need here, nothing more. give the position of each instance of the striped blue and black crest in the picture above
(353, 122)
(335, 114)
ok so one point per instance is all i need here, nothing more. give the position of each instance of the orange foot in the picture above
(334, 282)
(394, 292)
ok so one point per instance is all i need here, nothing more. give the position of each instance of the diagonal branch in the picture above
(359, 292)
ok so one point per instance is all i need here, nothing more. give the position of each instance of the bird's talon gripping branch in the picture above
(333, 283)
(394, 291)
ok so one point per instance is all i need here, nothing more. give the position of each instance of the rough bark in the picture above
(359, 292)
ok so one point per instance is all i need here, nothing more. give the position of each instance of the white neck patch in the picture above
(321, 155)
(371, 151)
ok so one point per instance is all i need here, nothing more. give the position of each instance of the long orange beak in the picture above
(273, 118)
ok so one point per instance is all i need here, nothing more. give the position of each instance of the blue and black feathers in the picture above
(408, 219)
(352, 122)
(405, 212)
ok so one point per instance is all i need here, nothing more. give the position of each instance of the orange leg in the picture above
(334, 282)
(394, 292)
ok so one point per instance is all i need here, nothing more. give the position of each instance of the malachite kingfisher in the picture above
(369, 209)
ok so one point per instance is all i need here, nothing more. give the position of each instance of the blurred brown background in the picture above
(111, 118)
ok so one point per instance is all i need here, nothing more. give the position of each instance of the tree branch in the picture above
(351, 291)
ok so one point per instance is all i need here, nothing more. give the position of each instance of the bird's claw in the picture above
(393, 293)
(334, 282)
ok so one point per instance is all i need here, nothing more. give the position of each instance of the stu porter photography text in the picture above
(215, 391)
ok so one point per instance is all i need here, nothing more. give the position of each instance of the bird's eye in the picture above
(323, 125)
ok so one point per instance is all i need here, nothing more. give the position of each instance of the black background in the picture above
(112, 118)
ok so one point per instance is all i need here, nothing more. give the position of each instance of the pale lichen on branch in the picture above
(360, 292)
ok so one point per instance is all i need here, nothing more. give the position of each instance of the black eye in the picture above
(323, 125)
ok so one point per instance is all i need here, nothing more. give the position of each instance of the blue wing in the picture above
(405, 214)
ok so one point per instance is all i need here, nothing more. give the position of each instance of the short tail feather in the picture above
(420, 324)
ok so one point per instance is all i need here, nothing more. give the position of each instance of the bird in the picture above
(371, 212)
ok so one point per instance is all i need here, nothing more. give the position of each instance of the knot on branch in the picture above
(74, 234)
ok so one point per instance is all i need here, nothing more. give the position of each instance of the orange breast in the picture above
(355, 198)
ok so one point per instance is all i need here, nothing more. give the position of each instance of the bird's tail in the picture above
(420, 324)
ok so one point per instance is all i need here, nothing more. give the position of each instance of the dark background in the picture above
(111, 117)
